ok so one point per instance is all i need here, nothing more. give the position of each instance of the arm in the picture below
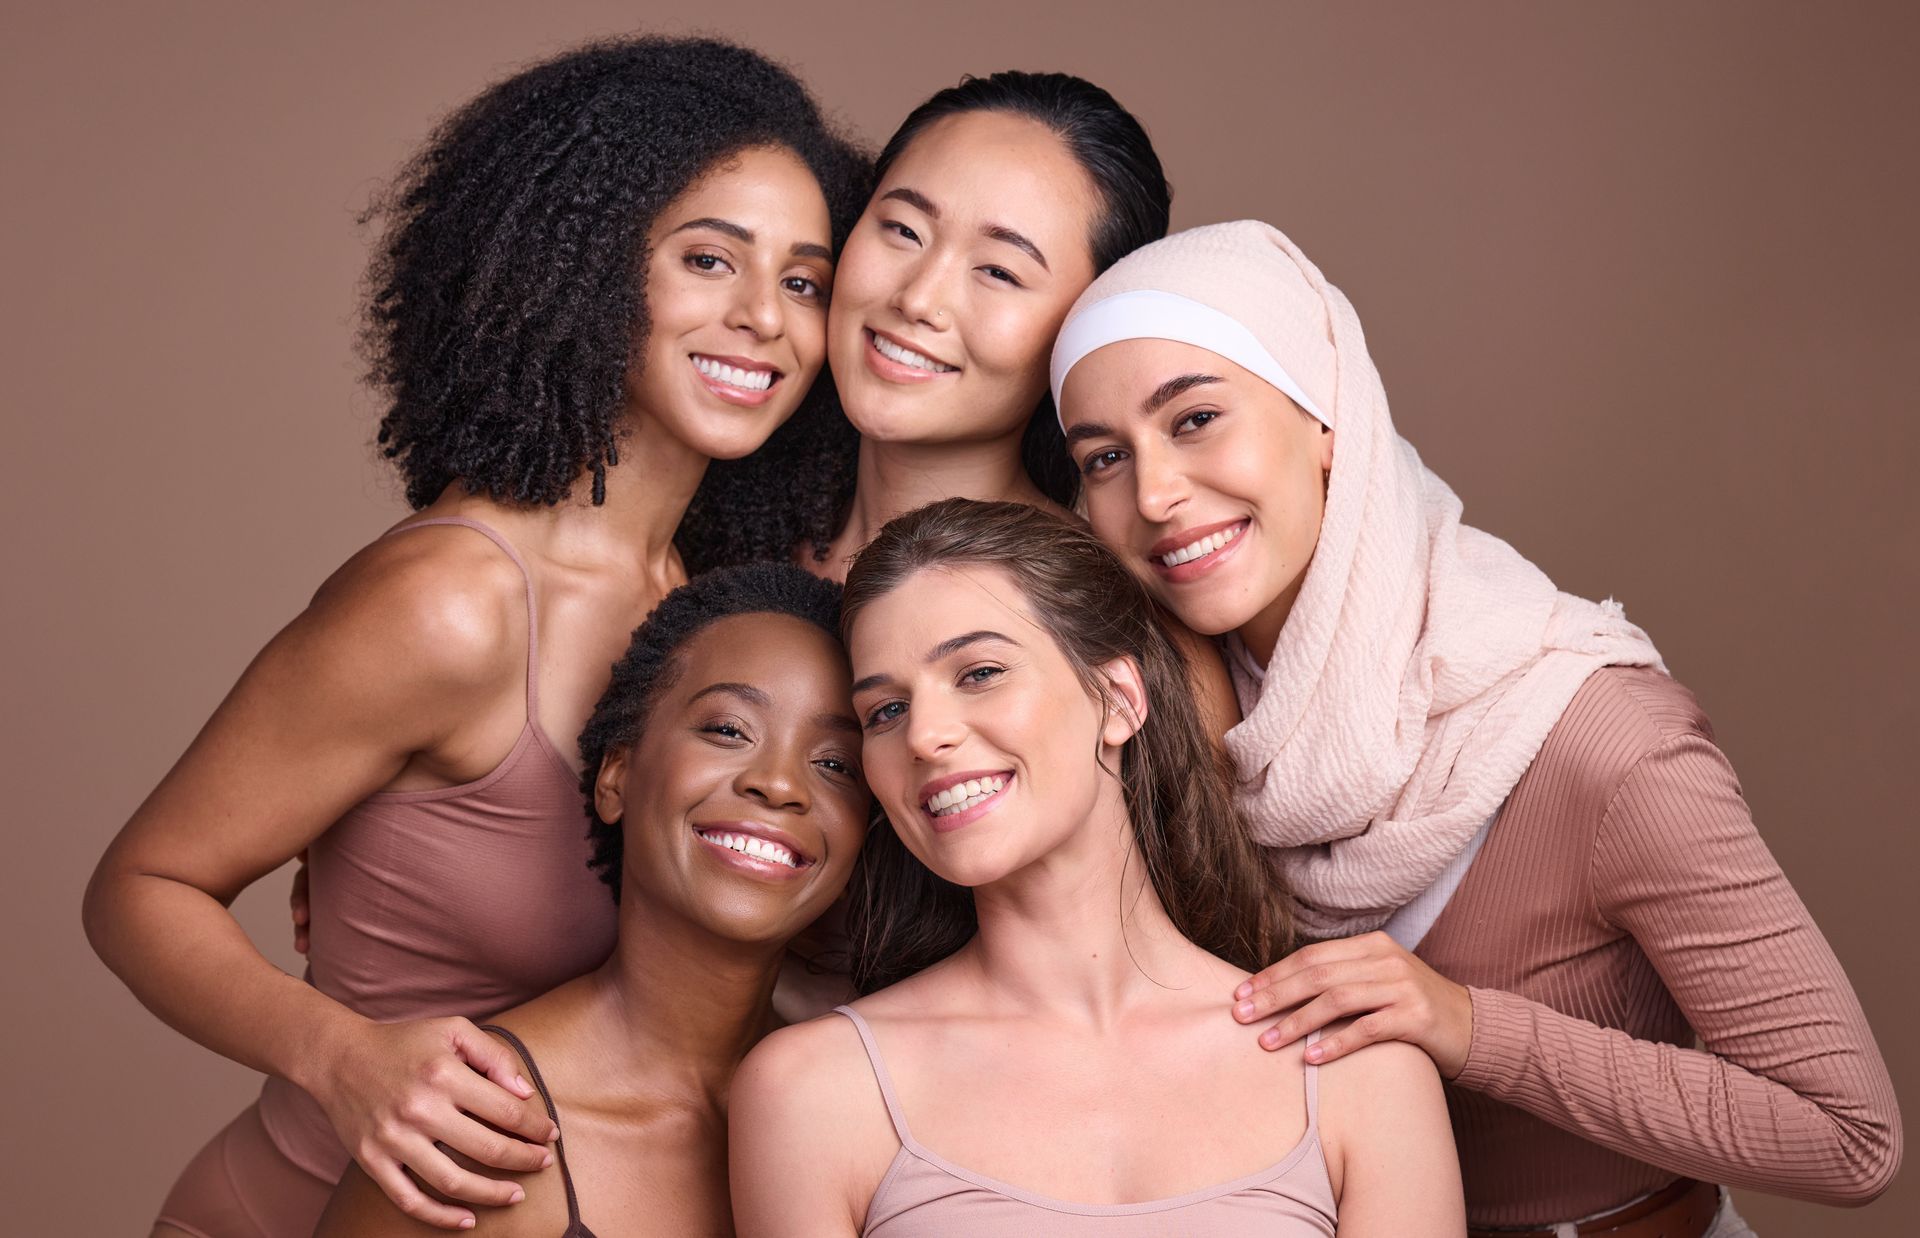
(385, 664)
(1390, 1145)
(807, 1135)
(1789, 1093)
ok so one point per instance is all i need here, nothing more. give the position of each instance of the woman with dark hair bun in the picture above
(723, 787)
(1062, 884)
(599, 277)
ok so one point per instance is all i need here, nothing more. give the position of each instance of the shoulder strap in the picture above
(533, 613)
(1313, 1087)
(880, 1075)
(559, 1143)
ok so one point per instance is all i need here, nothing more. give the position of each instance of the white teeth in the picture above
(758, 848)
(733, 376)
(1205, 546)
(964, 795)
(906, 356)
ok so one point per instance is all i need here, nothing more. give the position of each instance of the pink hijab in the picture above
(1424, 661)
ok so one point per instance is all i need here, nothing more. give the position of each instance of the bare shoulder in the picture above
(805, 1071)
(1386, 1086)
(360, 1209)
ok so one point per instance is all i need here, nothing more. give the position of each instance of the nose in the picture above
(757, 309)
(921, 296)
(933, 730)
(1159, 487)
(777, 777)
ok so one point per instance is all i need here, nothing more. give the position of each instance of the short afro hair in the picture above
(505, 300)
(650, 667)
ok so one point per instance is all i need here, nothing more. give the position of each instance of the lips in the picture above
(898, 361)
(1191, 553)
(954, 800)
(737, 380)
(755, 847)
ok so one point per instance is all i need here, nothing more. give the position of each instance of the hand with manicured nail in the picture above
(401, 1096)
(1372, 980)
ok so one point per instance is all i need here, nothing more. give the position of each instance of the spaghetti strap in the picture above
(880, 1075)
(1313, 1088)
(559, 1142)
(533, 613)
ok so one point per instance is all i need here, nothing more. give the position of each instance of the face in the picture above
(982, 744)
(1207, 480)
(742, 803)
(956, 279)
(739, 269)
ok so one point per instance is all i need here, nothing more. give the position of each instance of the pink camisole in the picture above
(461, 900)
(924, 1195)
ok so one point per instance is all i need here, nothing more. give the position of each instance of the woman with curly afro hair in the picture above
(600, 276)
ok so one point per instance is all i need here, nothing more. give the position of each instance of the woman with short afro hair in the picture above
(599, 278)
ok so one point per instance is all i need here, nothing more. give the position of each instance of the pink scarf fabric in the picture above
(1424, 661)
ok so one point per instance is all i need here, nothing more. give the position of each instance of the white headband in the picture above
(1148, 314)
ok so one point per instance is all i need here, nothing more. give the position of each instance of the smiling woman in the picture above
(724, 787)
(1062, 882)
(600, 277)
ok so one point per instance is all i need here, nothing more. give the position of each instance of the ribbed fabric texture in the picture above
(1622, 903)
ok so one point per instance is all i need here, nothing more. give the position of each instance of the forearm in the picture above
(185, 957)
(1687, 1110)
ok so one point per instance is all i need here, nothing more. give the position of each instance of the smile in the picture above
(1200, 548)
(964, 795)
(902, 355)
(753, 847)
(736, 378)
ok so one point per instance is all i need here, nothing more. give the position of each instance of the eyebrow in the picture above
(1162, 395)
(745, 691)
(837, 722)
(726, 227)
(946, 648)
(996, 232)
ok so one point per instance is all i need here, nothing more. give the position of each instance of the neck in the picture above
(1261, 633)
(1080, 935)
(677, 1004)
(894, 478)
(647, 494)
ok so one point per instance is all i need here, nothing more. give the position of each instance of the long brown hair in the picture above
(1196, 845)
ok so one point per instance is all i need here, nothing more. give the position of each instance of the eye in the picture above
(974, 676)
(1100, 461)
(802, 286)
(839, 765)
(726, 729)
(884, 713)
(900, 230)
(1196, 419)
(707, 264)
(1002, 275)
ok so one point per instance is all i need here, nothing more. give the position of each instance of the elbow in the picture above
(1872, 1160)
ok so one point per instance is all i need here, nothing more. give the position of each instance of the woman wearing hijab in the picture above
(1510, 828)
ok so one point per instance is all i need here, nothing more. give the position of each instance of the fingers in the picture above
(498, 1148)
(1379, 1025)
(1320, 954)
(490, 1058)
(438, 1170)
(1336, 1003)
(411, 1200)
(300, 905)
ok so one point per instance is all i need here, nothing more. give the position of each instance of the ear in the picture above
(1126, 701)
(610, 786)
(1326, 449)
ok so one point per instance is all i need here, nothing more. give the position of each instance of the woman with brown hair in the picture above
(1065, 887)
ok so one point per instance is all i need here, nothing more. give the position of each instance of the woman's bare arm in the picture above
(393, 657)
(1383, 1120)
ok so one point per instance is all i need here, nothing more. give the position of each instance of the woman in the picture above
(727, 808)
(602, 274)
(1074, 888)
(1528, 856)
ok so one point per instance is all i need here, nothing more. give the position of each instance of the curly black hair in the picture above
(649, 667)
(505, 301)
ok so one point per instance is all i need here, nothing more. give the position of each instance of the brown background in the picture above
(1642, 280)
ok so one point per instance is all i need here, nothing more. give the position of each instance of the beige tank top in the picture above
(924, 1195)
